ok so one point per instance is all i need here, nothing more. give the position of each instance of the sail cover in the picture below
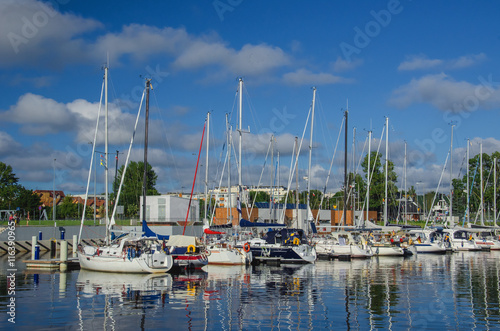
(147, 232)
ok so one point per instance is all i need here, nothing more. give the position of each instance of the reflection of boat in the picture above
(93, 282)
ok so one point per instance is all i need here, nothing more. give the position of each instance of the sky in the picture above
(430, 67)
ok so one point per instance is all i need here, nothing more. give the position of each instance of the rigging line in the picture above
(91, 162)
(290, 178)
(331, 165)
(437, 190)
(260, 178)
(248, 100)
(122, 177)
(220, 185)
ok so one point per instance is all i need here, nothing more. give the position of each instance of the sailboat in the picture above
(126, 253)
(222, 253)
(286, 244)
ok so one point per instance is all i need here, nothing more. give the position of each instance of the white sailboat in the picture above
(125, 254)
(220, 253)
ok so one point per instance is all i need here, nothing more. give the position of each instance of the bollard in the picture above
(39, 235)
(33, 245)
(75, 244)
(53, 247)
(62, 234)
(37, 253)
(64, 256)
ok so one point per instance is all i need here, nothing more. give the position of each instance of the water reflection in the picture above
(456, 291)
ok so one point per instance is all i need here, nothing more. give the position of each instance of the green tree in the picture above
(67, 209)
(132, 186)
(9, 188)
(259, 196)
(27, 201)
(377, 184)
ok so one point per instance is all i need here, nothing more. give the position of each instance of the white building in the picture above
(170, 209)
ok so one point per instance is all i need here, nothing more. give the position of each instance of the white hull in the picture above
(430, 248)
(130, 255)
(493, 245)
(387, 250)
(227, 256)
(353, 251)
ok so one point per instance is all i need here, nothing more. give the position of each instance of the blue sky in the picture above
(425, 65)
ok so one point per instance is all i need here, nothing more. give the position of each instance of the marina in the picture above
(457, 291)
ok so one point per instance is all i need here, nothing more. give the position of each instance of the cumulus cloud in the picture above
(305, 77)
(445, 93)
(8, 145)
(421, 62)
(343, 65)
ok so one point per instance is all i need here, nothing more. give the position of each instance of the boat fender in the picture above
(246, 247)
(191, 249)
(97, 251)
(296, 241)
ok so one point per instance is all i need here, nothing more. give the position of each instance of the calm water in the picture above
(459, 291)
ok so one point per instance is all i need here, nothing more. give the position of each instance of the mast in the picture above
(406, 193)
(482, 197)
(297, 183)
(228, 207)
(344, 210)
(495, 191)
(386, 167)
(451, 175)
(468, 184)
(353, 196)
(207, 209)
(240, 88)
(145, 176)
(106, 152)
(310, 155)
(368, 175)
(271, 191)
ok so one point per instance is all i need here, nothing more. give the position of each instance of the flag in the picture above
(238, 205)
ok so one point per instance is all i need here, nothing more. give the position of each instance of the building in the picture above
(169, 209)
(47, 197)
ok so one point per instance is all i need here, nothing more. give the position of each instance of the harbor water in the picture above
(458, 291)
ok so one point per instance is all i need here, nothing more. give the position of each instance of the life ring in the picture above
(246, 247)
(296, 241)
(191, 249)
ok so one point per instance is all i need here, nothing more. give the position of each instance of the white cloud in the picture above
(416, 62)
(8, 145)
(421, 62)
(341, 65)
(445, 93)
(33, 33)
(306, 77)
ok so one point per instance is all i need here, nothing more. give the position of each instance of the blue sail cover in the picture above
(149, 233)
(247, 224)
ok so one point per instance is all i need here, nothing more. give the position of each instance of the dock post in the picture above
(37, 253)
(64, 256)
(39, 235)
(33, 245)
(75, 244)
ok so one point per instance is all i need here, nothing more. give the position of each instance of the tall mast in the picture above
(386, 166)
(106, 151)
(206, 168)
(352, 196)
(406, 193)
(228, 207)
(344, 220)
(368, 175)
(451, 175)
(310, 154)
(468, 187)
(145, 176)
(482, 198)
(271, 191)
(495, 191)
(240, 88)
(296, 183)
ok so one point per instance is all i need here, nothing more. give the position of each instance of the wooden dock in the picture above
(24, 246)
(72, 263)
